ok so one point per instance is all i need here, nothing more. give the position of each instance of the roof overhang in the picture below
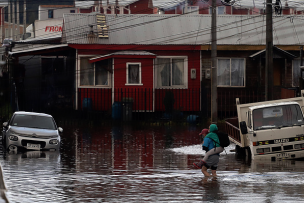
(277, 50)
(124, 54)
(39, 50)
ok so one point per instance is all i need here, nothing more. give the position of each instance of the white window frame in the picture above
(127, 73)
(217, 10)
(230, 71)
(185, 86)
(91, 86)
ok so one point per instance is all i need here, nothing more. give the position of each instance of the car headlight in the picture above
(13, 137)
(259, 151)
(13, 132)
(54, 141)
(263, 150)
(299, 146)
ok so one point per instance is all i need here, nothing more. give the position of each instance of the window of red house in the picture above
(171, 72)
(134, 73)
(94, 74)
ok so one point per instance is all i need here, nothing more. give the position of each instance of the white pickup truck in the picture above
(269, 130)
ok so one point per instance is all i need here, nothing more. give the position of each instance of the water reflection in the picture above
(139, 163)
(211, 187)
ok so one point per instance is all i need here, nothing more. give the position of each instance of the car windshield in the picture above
(277, 117)
(33, 121)
(6, 41)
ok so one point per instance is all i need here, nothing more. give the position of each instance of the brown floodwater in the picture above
(121, 163)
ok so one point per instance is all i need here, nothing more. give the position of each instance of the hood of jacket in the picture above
(212, 135)
(213, 128)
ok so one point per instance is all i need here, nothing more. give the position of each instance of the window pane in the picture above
(220, 10)
(237, 72)
(133, 74)
(223, 72)
(101, 73)
(86, 72)
(50, 13)
(177, 72)
(296, 72)
(163, 72)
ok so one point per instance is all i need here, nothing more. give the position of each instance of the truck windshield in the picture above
(277, 117)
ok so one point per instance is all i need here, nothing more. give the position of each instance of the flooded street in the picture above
(137, 164)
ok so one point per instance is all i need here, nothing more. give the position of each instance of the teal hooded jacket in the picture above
(212, 134)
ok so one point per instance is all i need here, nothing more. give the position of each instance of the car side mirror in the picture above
(5, 124)
(243, 127)
(60, 129)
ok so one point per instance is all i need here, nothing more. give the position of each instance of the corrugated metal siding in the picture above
(184, 29)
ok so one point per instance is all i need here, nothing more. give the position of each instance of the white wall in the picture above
(57, 12)
(48, 28)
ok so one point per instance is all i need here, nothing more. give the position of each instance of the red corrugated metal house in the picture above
(116, 63)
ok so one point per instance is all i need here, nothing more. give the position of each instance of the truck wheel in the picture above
(239, 151)
(243, 152)
(248, 153)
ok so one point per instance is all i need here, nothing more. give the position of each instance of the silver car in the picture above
(31, 131)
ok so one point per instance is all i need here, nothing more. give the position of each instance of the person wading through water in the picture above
(212, 146)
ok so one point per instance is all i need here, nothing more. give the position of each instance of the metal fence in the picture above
(121, 104)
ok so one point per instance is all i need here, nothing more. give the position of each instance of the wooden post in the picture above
(269, 53)
(213, 65)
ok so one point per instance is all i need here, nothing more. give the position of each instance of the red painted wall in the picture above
(139, 93)
(100, 98)
(89, 10)
(186, 99)
(141, 7)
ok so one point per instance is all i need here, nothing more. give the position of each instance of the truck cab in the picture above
(270, 130)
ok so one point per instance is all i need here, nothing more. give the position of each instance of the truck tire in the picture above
(243, 152)
(248, 153)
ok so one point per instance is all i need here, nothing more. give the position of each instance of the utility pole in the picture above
(9, 16)
(13, 21)
(213, 65)
(24, 18)
(269, 53)
(18, 20)
(97, 6)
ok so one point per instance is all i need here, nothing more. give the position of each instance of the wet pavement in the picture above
(137, 164)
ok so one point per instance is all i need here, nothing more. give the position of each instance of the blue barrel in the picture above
(87, 104)
(116, 110)
(192, 119)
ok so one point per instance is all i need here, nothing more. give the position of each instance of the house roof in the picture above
(119, 54)
(142, 29)
(32, 49)
(277, 50)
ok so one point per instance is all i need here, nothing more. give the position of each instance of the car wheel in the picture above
(3, 139)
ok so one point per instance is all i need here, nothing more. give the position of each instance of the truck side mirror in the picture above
(243, 127)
